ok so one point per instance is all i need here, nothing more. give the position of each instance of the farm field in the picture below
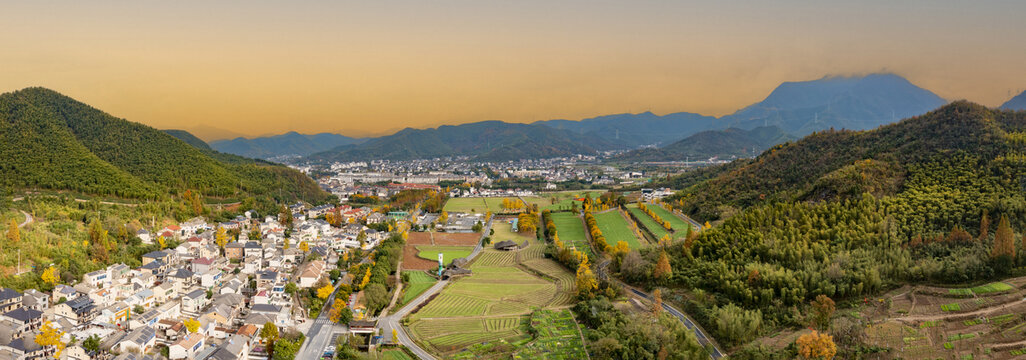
(564, 199)
(658, 231)
(678, 224)
(616, 228)
(558, 337)
(478, 205)
(430, 252)
(493, 304)
(418, 283)
(395, 355)
(923, 322)
(570, 229)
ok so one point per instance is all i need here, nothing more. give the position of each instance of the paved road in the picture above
(387, 323)
(320, 332)
(702, 338)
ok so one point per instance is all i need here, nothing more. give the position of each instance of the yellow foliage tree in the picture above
(395, 336)
(221, 237)
(586, 282)
(443, 217)
(816, 345)
(162, 242)
(325, 291)
(366, 279)
(662, 269)
(50, 276)
(192, 325)
(13, 233)
(51, 336)
(303, 246)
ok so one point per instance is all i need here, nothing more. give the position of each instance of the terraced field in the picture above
(558, 337)
(491, 304)
(616, 228)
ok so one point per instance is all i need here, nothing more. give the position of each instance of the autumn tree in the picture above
(325, 291)
(221, 238)
(586, 282)
(662, 269)
(51, 336)
(443, 217)
(98, 241)
(13, 233)
(304, 247)
(192, 325)
(162, 242)
(339, 312)
(984, 226)
(268, 335)
(361, 238)
(822, 310)
(285, 216)
(395, 336)
(816, 345)
(1004, 240)
(51, 276)
(657, 301)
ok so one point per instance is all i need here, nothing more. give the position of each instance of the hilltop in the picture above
(52, 141)
(1016, 103)
(727, 143)
(288, 144)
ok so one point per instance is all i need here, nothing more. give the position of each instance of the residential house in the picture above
(23, 320)
(139, 340)
(10, 299)
(187, 347)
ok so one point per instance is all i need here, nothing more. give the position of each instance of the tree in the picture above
(339, 312)
(822, 310)
(304, 247)
(816, 345)
(92, 343)
(361, 238)
(325, 291)
(662, 270)
(268, 335)
(657, 302)
(376, 296)
(984, 226)
(51, 276)
(192, 325)
(51, 336)
(221, 238)
(1004, 240)
(443, 217)
(586, 282)
(162, 242)
(291, 288)
(285, 216)
(13, 233)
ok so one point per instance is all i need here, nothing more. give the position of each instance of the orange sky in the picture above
(260, 67)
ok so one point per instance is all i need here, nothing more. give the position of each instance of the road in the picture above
(320, 332)
(702, 338)
(28, 219)
(389, 322)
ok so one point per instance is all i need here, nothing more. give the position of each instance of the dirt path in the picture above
(28, 219)
(959, 315)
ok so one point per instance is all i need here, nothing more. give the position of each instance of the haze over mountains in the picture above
(1016, 103)
(790, 111)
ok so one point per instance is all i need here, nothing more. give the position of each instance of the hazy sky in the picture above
(373, 67)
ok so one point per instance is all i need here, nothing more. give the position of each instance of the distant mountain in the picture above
(712, 143)
(291, 143)
(188, 138)
(854, 103)
(52, 141)
(484, 141)
(1016, 103)
(633, 130)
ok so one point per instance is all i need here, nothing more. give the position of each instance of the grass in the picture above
(678, 224)
(395, 355)
(449, 253)
(419, 282)
(615, 228)
(658, 231)
(928, 324)
(476, 205)
(565, 199)
(571, 231)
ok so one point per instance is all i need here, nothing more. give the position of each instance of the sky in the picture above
(230, 68)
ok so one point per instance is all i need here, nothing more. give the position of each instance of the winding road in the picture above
(28, 219)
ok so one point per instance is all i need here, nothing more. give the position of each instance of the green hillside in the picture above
(188, 138)
(711, 143)
(52, 141)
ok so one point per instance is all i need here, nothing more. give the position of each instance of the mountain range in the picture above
(291, 143)
(52, 141)
(1016, 103)
(731, 142)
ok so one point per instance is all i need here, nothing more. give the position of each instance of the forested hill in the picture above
(188, 138)
(833, 163)
(1016, 103)
(291, 143)
(711, 143)
(486, 141)
(52, 141)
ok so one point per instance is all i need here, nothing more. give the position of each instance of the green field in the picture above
(558, 337)
(994, 287)
(476, 205)
(649, 223)
(492, 304)
(419, 282)
(565, 198)
(615, 228)
(449, 253)
(571, 231)
(395, 354)
(676, 222)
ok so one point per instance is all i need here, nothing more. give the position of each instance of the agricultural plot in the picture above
(478, 205)
(430, 252)
(558, 337)
(563, 200)
(571, 231)
(992, 288)
(395, 355)
(418, 283)
(490, 305)
(658, 231)
(676, 222)
(615, 228)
